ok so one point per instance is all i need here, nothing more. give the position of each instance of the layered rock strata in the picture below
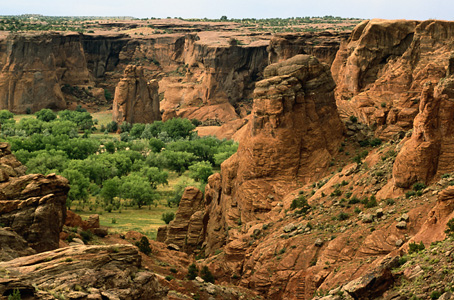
(186, 230)
(136, 100)
(294, 132)
(429, 152)
(34, 206)
(81, 272)
(382, 68)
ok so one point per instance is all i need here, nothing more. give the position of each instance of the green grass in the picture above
(104, 117)
(146, 220)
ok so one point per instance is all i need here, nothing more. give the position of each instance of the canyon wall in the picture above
(206, 75)
(382, 69)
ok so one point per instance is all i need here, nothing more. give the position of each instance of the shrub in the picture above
(15, 295)
(435, 295)
(193, 272)
(372, 202)
(409, 194)
(144, 246)
(206, 274)
(300, 202)
(343, 216)
(86, 236)
(419, 186)
(167, 217)
(353, 119)
(450, 225)
(415, 248)
(169, 277)
(336, 193)
(353, 200)
(375, 142)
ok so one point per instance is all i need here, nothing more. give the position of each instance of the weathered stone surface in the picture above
(186, 230)
(102, 272)
(136, 101)
(382, 68)
(12, 245)
(34, 206)
(287, 141)
(374, 283)
(323, 45)
(429, 152)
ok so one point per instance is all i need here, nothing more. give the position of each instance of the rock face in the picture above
(34, 206)
(294, 132)
(35, 66)
(186, 230)
(81, 272)
(382, 68)
(136, 101)
(429, 152)
(13, 245)
(323, 45)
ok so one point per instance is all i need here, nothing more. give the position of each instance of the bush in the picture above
(86, 236)
(46, 115)
(353, 119)
(450, 225)
(144, 246)
(415, 248)
(301, 203)
(193, 272)
(167, 217)
(372, 202)
(419, 186)
(200, 171)
(15, 295)
(343, 216)
(206, 274)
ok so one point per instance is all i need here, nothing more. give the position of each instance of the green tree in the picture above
(200, 171)
(167, 217)
(178, 161)
(46, 115)
(137, 189)
(78, 186)
(155, 176)
(156, 145)
(110, 189)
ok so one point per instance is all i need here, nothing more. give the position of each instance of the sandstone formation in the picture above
(382, 68)
(429, 152)
(34, 206)
(186, 230)
(323, 45)
(136, 101)
(13, 245)
(294, 132)
(81, 272)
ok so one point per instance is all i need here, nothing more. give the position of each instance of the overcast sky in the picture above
(367, 9)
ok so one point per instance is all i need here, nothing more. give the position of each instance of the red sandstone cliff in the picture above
(382, 68)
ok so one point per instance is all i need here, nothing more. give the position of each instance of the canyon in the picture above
(289, 216)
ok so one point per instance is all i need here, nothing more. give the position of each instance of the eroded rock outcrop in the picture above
(381, 70)
(136, 101)
(33, 68)
(323, 45)
(294, 132)
(186, 230)
(429, 152)
(81, 272)
(34, 206)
